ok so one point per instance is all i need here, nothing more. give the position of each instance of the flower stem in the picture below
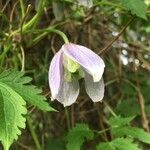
(64, 37)
(67, 118)
(48, 30)
(34, 136)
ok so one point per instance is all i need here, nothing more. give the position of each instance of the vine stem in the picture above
(34, 136)
(105, 49)
(45, 32)
(22, 8)
(64, 37)
(35, 19)
(48, 30)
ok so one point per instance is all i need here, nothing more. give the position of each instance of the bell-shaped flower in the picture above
(71, 63)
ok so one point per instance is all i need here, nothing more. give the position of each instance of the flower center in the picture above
(71, 65)
(72, 70)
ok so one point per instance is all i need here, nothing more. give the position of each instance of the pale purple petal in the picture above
(68, 93)
(95, 90)
(56, 73)
(90, 61)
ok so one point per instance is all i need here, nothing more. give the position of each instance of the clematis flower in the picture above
(71, 63)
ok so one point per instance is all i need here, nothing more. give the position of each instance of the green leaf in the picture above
(76, 136)
(17, 81)
(118, 121)
(137, 7)
(118, 144)
(12, 109)
(105, 145)
(133, 132)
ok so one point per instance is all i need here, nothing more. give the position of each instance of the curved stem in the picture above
(64, 37)
(48, 30)
(105, 49)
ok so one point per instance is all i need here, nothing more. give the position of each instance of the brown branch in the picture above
(105, 49)
(145, 121)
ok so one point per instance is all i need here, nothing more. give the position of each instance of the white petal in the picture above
(68, 92)
(95, 90)
(90, 61)
(56, 73)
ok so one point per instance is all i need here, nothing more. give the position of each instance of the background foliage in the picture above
(30, 34)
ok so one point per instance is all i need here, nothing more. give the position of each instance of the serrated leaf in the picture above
(17, 81)
(12, 107)
(105, 145)
(14, 76)
(133, 132)
(77, 135)
(119, 121)
(137, 7)
(118, 144)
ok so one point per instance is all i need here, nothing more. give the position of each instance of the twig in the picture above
(141, 102)
(24, 18)
(101, 122)
(143, 114)
(11, 15)
(24, 146)
(7, 2)
(105, 49)
(145, 122)
(23, 58)
(110, 109)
